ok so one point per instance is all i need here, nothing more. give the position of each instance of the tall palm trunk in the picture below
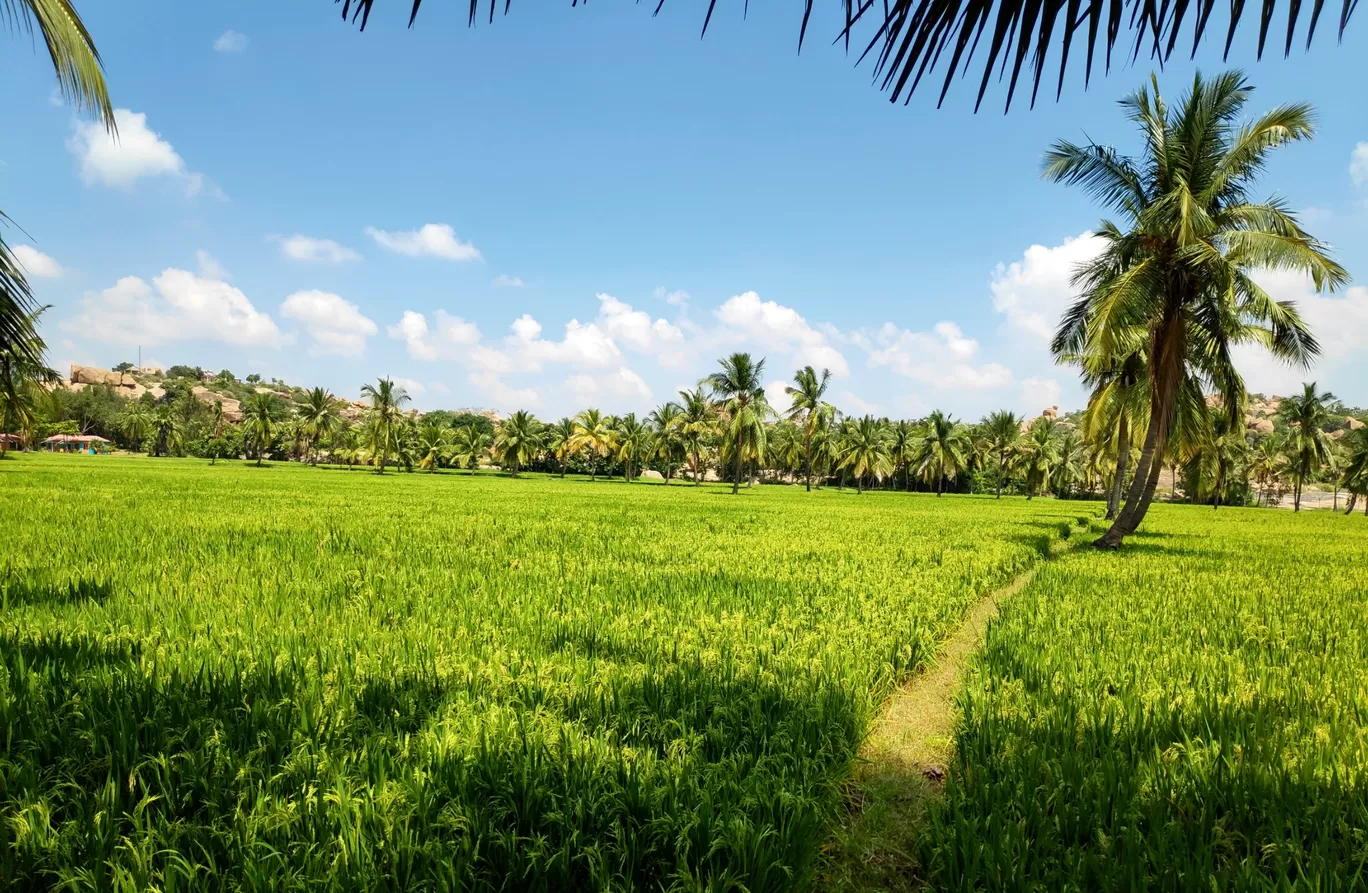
(859, 485)
(1122, 460)
(1165, 374)
(1002, 471)
(1353, 498)
(697, 469)
(807, 452)
(736, 482)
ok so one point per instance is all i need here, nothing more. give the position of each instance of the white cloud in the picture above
(584, 346)
(411, 387)
(1338, 322)
(336, 325)
(943, 358)
(637, 330)
(1038, 394)
(779, 328)
(1034, 292)
(209, 267)
(503, 280)
(307, 248)
(138, 153)
(853, 404)
(432, 240)
(1358, 165)
(777, 396)
(176, 306)
(453, 338)
(231, 41)
(676, 298)
(504, 396)
(621, 389)
(36, 264)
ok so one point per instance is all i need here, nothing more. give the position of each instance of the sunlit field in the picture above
(223, 678)
(1190, 713)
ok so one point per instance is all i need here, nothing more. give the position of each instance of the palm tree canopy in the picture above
(910, 39)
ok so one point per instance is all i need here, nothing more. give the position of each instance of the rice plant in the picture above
(287, 678)
(1189, 714)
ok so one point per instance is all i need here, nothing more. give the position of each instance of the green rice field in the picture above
(231, 678)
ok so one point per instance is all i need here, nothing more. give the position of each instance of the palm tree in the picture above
(434, 445)
(667, 437)
(904, 437)
(470, 445)
(1267, 465)
(260, 413)
(698, 424)
(80, 78)
(1307, 445)
(1000, 430)
(943, 451)
(593, 435)
(386, 409)
(167, 431)
(216, 438)
(1222, 453)
(913, 38)
(134, 422)
(518, 440)
(633, 443)
(741, 388)
(317, 419)
(25, 378)
(1179, 267)
(1071, 462)
(559, 436)
(1355, 474)
(1037, 454)
(808, 409)
(865, 451)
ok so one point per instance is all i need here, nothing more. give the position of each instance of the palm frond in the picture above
(914, 38)
(80, 72)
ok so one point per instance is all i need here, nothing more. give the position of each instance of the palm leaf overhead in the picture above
(912, 39)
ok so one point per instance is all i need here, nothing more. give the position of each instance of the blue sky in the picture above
(588, 206)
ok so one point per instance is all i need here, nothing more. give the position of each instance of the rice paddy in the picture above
(229, 678)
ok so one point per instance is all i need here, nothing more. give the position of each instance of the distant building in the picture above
(90, 444)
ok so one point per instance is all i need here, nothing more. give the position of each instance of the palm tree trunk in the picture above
(1146, 497)
(1122, 460)
(1353, 498)
(807, 451)
(697, 469)
(736, 482)
(1296, 495)
(1002, 471)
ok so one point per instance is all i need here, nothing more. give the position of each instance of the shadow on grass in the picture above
(15, 592)
(118, 762)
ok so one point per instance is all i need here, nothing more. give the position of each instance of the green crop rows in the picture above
(289, 678)
(1188, 714)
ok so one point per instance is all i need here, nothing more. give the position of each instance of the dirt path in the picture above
(903, 761)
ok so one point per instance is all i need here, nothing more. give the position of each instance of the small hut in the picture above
(90, 444)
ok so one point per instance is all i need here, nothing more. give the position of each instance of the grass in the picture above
(233, 678)
(1188, 714)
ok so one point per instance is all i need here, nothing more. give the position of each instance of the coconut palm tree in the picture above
(1267, 464)
(634, 441)
(1000, 432)
(1355, 475)
(594, 436)
(909, 39)
(387, 400)
(434, 446)
(168, 432)
(25, 378)
(943, 451)
(1308, 446)
(865, 451)
(807, 409)
(80, 79)
(698, 425)
(740, 387)
(1037, 454)
(1189, 240)
(667, 442)
(559, 436)
(470, 444)
(903, 438)
(518, 440)
(1222, 455)
(317, 419)
(134, 422)
(260, 415)
(1071, 463)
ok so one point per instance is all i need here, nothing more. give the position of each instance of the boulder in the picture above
(651, 474)
(93, 375)
(1352, 423)
(1051, 412)
(1259, 426)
